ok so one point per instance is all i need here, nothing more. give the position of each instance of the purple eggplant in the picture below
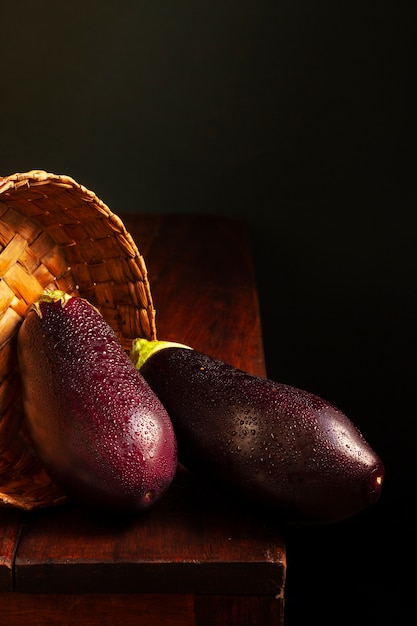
(278, 447)
(95, 424)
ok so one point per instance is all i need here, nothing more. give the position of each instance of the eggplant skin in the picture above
(278, 447)
(95, 424)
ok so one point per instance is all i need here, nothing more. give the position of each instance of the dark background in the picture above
(296, 116)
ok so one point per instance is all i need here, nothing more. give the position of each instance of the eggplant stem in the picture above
(142, 349)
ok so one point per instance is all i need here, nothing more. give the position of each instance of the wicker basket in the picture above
(55, 233)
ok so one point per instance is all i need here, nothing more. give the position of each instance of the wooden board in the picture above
(198, 557)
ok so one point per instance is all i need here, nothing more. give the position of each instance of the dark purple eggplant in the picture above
(276, 446)
(95, 424)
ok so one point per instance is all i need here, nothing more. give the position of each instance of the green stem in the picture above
(142, 349)
(54, 295)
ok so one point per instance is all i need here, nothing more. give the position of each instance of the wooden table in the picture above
(197, 558)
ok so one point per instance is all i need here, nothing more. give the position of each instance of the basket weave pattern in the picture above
(56, 234)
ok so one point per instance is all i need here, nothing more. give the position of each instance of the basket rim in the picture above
(39, 177)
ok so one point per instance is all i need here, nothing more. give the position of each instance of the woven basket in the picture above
(56, 234)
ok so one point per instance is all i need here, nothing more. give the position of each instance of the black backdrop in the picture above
(295, 115)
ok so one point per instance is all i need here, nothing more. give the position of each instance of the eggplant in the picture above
(95, 424)
(274, 446)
